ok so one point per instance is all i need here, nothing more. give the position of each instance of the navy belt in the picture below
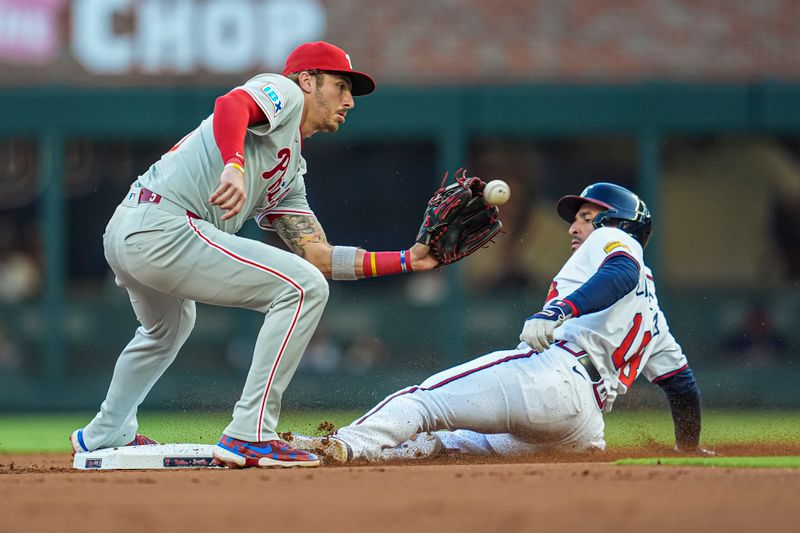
(594, 375)
(583, 358)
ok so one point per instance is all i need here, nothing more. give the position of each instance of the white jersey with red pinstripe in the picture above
(274, 167)
(629, 338)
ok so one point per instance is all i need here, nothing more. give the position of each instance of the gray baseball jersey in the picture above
(176, 250)
(274, 167)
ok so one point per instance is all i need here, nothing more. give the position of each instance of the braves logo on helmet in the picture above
(623, 209)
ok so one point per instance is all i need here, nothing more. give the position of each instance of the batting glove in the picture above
(538, 329)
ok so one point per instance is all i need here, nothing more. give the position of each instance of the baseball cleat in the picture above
(332, 449)
(79, 446)
(235, 453)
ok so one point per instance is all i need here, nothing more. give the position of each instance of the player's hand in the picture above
(697, 450)
(230, 195)
(538, 329)
(422, 259)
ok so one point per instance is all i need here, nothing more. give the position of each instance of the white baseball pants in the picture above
(506, 402)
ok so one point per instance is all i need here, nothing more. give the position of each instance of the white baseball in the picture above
(497, 192)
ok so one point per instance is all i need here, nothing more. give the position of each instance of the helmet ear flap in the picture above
(638, 229)
(601, 218)
(643, 235)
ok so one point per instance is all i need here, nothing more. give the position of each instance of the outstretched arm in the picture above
(684, 402)
(305, 237)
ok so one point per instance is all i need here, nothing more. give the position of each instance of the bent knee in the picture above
(173, 326)
(313, 283)
(187, 319)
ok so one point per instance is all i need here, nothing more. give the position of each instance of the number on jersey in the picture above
(629, 367)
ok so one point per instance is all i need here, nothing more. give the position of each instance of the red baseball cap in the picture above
(329, 58)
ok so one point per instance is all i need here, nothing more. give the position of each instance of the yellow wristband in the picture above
(236, 166)
(373, 264)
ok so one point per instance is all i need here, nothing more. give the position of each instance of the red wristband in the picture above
(386, 263)
(235, 159)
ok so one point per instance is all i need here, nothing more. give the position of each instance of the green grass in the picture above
(719, 462)
(635, 428)
(48, 432)
(20, 433)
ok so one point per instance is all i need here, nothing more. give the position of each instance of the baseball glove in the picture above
(458, 220)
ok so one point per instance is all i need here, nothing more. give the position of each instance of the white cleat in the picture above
(76, 440)
(332, 449)
(79, 446)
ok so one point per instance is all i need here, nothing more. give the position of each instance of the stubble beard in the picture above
(328, 123)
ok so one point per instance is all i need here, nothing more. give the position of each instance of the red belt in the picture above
(146, 196)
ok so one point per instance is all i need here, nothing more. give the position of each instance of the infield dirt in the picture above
(536, 493)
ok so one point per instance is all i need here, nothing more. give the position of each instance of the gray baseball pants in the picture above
(167, 260)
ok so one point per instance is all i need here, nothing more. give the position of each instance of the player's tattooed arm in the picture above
(300, 231)
(305, 237)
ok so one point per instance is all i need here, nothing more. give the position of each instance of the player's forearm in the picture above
(305, 237)
(350, 263)
(373, 264)
(684, 402)
(319, 255)
(345, 262)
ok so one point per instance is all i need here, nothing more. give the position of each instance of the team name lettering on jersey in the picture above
(284, 154)
(277, 189)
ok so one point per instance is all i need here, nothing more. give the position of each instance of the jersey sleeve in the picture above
(276, 95)
(667, 358)
(294, 203)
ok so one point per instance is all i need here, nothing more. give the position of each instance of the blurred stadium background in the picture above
(695, 104)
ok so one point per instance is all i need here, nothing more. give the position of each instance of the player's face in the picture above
(332, 100)
(582, 227)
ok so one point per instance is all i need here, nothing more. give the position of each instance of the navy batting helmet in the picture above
(624, 209)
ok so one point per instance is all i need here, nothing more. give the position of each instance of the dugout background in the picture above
(710, 140)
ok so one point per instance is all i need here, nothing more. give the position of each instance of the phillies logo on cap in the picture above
(326, 57)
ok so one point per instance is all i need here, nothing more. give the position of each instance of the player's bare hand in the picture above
(230, 195)
(422, 259)
(699, 451)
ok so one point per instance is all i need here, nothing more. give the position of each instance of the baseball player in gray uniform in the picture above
(600, 329)
(172, 243)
